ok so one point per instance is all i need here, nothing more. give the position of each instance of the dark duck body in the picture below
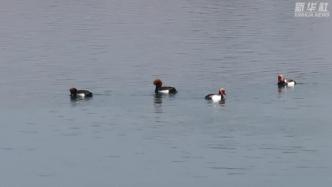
(220, 97)
(283, 82)
(163, 89)
(80, 94)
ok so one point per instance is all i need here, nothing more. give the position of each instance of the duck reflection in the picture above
(284, 89)
(79, 101)
(157, 103)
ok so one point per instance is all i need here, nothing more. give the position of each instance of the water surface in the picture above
(125, 136)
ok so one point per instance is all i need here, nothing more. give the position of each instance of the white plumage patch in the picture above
(164, 91)
(81, 95)
(216, 98)
(291, 84)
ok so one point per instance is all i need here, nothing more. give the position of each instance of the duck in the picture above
(80, 94)
(283, 82)
(163, 89)
(220, 97)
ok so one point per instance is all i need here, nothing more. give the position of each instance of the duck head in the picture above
(73, 91)
(158, 83)
(222, 92)
(281, 78)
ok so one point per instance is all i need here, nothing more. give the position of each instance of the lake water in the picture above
(125, 136)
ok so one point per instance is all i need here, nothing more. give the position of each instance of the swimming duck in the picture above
(220, 97)
(163, 89)
(79, 94)
(283, 82)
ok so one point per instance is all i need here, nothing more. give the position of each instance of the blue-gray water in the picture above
(124, 136)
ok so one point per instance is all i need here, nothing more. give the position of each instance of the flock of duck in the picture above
(168, 90)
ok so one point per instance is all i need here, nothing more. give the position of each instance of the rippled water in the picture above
(125, 136)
